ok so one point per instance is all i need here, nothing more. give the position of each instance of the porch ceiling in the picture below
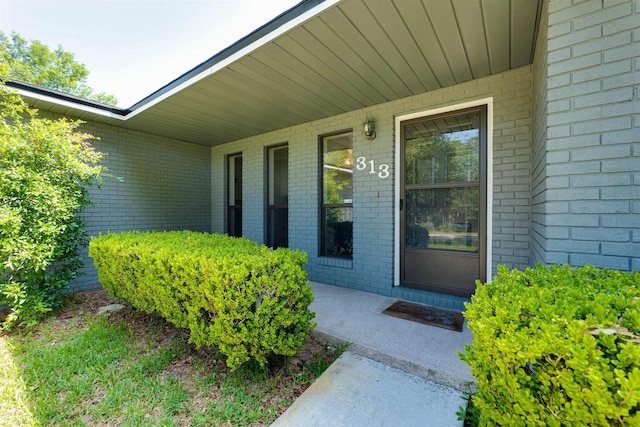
(353, 54)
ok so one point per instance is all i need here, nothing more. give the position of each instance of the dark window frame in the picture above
(232, 229)
(268, 208)
(322, 207)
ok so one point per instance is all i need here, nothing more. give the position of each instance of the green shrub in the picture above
(46, 167)
(556, 346)
(248, 300)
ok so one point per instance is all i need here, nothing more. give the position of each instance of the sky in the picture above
(132, 48)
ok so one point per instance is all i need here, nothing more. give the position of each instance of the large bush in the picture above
(557, 346)
(248, 300)
(45, 169)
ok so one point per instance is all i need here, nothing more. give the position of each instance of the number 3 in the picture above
(383, 171)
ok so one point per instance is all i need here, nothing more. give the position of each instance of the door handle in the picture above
(401, 203)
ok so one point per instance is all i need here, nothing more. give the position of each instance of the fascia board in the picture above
(69, 104)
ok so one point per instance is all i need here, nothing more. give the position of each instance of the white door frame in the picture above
(398, 164)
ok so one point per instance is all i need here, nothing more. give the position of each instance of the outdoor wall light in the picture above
(369, 133)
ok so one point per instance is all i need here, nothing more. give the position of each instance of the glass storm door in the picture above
(234, 195)
(278, 197)
(443, 202)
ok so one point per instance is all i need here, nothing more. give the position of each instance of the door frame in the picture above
(488, 102)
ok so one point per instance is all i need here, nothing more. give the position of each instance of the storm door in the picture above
(234, 195)
(443, 201)
(277, 197)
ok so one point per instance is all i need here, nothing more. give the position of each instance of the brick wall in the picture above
(165, 186)
(589, 211)
(372, 267)
(539, 183)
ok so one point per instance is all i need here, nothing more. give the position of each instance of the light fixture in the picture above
(369, 133)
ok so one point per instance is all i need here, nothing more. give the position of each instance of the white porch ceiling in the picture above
(354, 54)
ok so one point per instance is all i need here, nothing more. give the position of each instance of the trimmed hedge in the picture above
(248, 300)
(556, 346)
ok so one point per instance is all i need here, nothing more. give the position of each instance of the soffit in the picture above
(355, 54)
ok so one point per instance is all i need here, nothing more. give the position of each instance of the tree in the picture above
(45, 169)
(34, 62)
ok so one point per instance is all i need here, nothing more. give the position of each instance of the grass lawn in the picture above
(128, 368)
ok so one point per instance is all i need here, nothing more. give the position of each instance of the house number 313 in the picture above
(382, 170)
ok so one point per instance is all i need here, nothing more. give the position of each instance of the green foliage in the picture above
(469, 413)
(556, 346)
(34, 62)
(128, 368)
(45, 167)
(249, 300)
(92, 371)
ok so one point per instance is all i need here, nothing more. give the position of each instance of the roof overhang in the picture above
(322, 58)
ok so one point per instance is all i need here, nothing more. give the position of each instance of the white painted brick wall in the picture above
(589, 165)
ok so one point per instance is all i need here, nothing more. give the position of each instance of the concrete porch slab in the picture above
(347, 315)
(394, 373)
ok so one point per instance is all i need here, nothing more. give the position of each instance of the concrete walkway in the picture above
(394, 373)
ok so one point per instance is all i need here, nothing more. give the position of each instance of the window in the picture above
(336, 229)
(277, 231)
(234, 195)
(442, 182)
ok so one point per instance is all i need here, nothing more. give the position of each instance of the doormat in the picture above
(426, 314)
